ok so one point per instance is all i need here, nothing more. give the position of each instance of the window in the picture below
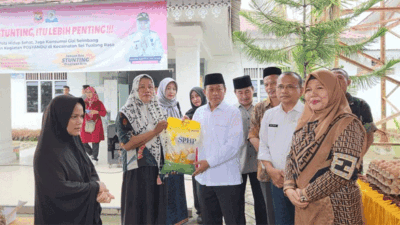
(32, 89)
(258, 83)
(58, 87)
(50, 86)
(45, 93)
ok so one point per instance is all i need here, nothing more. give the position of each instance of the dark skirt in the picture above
(142, 200)
(177, 211)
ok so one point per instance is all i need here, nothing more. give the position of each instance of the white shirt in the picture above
(277, 128)
(222, 136)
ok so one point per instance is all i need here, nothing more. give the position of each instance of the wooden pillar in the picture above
(383, 59)
(336, 15)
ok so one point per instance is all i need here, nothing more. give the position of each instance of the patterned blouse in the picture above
(336, 182)
(125, 133)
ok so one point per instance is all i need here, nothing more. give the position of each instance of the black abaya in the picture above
(66, 185)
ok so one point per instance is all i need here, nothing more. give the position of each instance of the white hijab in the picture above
(144, 118)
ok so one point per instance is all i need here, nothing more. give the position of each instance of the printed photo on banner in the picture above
(147, 46)
(125, 36)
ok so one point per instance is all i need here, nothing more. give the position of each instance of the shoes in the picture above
(199, 220)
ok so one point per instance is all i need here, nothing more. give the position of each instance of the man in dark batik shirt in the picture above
(360, 108)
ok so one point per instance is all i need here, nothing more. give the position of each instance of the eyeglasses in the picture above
(289, 87)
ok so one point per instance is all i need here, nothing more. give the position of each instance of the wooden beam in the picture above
(383, 59)
(365, 55)
(394, 33)
(372, 23)
(393, 134)
(391, 104)
(383, 121)
(367, 28)
(392, 80)
(394, 89)
(356, 63)
(393, 25)
(385, 144)
(373, 9)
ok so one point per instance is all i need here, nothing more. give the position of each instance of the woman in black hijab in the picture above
(67, 187)
(197, 99)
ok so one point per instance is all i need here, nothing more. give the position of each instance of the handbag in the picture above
(90, 126)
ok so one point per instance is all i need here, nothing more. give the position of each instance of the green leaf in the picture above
(272, 24)
(253, 51)
(290, 3)
(321, 4)
(351, 49)
(363, 7)
(367, 81)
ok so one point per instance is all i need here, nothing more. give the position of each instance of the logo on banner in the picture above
(51, 17)
(76, 59)
(38, 17)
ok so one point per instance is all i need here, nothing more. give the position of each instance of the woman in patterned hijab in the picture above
(323, 163)
(140, 129)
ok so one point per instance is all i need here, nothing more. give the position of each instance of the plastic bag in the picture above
(184, 138)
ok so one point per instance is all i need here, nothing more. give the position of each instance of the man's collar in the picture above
(298, 107)
(241, 106)
(221, 105)
(267, 102)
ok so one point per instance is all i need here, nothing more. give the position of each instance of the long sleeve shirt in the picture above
(277, 128)
(222, 136)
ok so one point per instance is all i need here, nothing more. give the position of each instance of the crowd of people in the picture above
(302, 157)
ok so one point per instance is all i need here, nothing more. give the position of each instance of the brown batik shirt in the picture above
(255, 125)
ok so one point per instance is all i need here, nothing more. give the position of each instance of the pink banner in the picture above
(84, 38)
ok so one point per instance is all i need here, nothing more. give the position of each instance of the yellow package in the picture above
(184, 139)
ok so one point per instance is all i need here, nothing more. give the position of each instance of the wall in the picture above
(20, 117)
(6, 154)
(75, 82)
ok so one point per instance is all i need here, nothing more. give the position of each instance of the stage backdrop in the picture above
(84, 38)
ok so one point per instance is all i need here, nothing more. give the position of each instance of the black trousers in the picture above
(259, 203)
(196, 197)
(221, 201)
(94, 152)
